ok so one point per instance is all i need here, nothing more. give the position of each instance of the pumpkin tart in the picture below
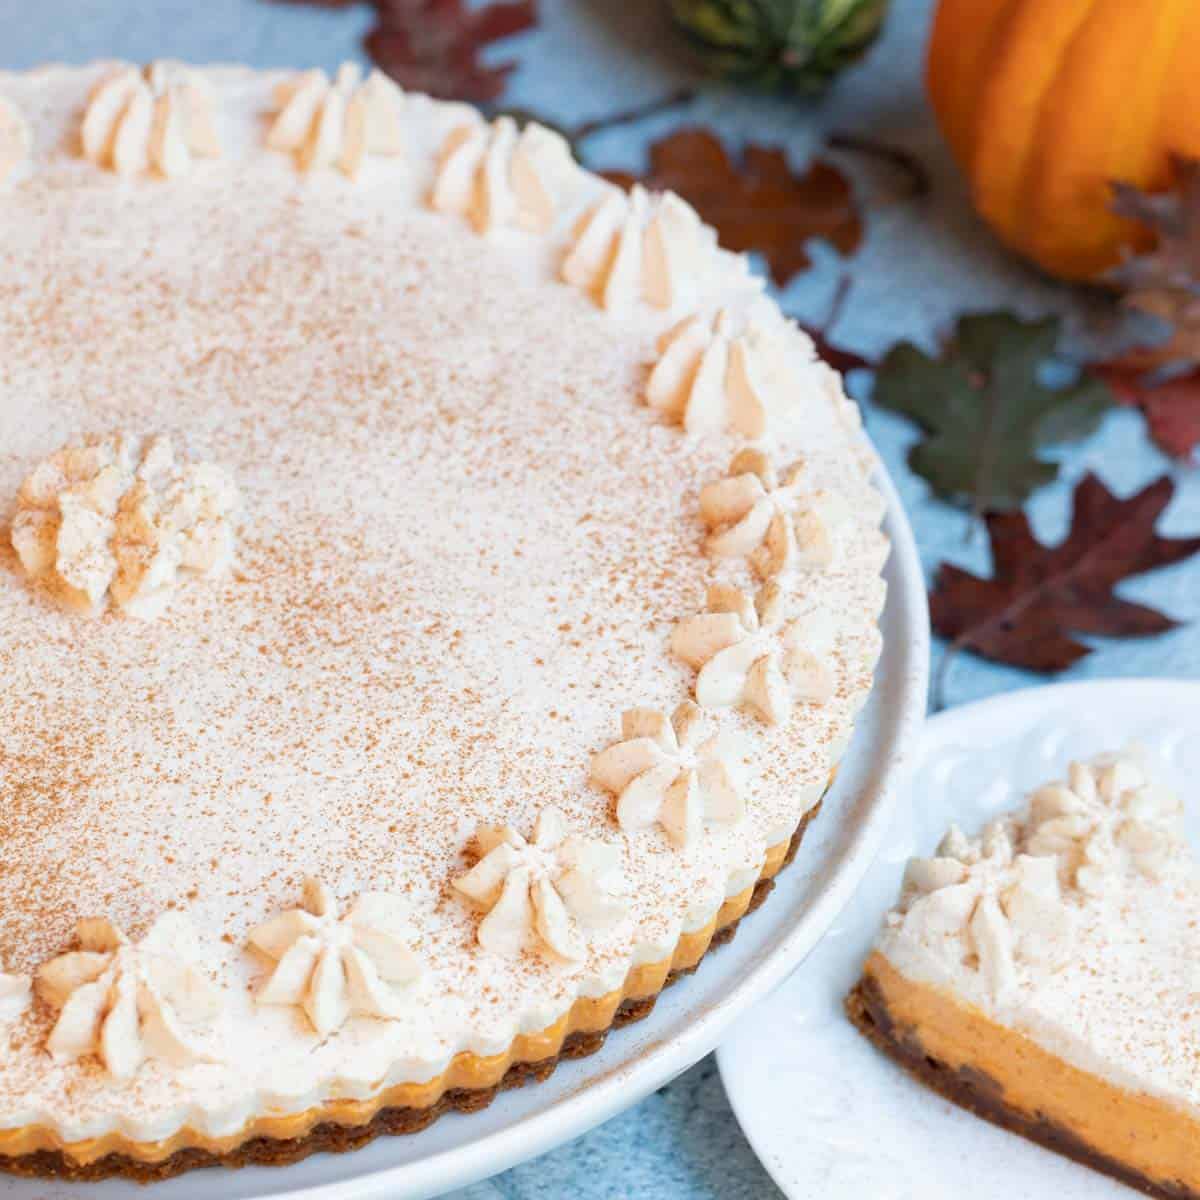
(436, 589)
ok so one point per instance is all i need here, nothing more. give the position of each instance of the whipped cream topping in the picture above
(1094, 958)
(338, 123)
(119, 518)
(772, 522)
(552, 890)
(499, 178)
(16, 991)
(670, 772)
(125, 1002)
(638, 247)
(742, 371)
(980, 905)
(159, 118)
(15, 140)
(336, 967)
(1106, 816)
(748, 651)
(468, 533)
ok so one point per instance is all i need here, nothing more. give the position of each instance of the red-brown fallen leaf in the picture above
(434, 46)
(1040, 597)
(756, 202)
(1164, 283)
(1171, 406)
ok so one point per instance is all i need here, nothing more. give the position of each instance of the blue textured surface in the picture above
(921, 264)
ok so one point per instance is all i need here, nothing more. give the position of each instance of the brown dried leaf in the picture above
(1171, 406)
(434, 46)
(1174, 219)
(756, 202)
(1164, 283)
(1040, 597)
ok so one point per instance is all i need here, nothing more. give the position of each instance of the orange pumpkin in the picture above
(1045, 102)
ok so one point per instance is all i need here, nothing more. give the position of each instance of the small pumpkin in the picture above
(790, 45)
(1045, 102)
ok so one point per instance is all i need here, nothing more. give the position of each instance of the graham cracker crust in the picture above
(980, 1094)
(337, 1138)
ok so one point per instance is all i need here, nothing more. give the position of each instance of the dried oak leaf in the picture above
(434, 46)
(985, 411)
(1040, 596)
(757, 202)
(1170, 405)
(1163, 379)
(1165, 282)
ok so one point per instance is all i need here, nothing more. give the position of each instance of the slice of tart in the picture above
(1046, 976)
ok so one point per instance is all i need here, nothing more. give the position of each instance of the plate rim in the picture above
(938, 729)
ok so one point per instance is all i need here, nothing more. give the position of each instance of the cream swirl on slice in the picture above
(1106, 818)
(979, 904)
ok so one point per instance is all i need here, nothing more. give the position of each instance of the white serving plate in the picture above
(690, 1018)
(829, 1116)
